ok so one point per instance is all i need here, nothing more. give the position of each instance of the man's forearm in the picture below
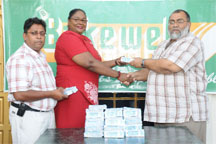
(32, 95)
(163, 66)
(141, 75)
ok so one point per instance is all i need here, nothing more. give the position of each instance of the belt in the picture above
(26, 107)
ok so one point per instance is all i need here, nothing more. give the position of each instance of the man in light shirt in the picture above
(176, 79)
(32, 90)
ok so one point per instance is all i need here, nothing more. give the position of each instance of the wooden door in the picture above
(5, 135)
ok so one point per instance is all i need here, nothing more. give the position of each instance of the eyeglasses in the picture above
(178, 21)
(35, 33)
(80, 20)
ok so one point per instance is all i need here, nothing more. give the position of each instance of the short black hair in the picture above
(73, 11)
(30, 21)
(181, 10)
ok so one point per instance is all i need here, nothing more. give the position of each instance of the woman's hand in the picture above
(119, 62)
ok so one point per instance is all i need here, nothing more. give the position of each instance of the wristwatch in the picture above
(142, 64)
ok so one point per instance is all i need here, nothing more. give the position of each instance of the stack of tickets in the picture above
(133, 122)
(113, 122)
(94, 122)
(126, 59)
(70, 90)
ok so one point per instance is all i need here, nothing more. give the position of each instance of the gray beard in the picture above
(181, 34)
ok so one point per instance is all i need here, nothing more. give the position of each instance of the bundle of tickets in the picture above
(114, 134)
(94, 123)
(97, 107)
(135, 133)
(126, 59)
(132, 112)
(113, 112)
(70, 90)
(133, 122)
(114, 123)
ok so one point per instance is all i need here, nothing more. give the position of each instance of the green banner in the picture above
(116, 28)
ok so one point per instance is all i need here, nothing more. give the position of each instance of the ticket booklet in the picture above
(126, 59)
(70, 90)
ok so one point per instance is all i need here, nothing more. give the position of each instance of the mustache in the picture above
(175, 30)
(39, 41)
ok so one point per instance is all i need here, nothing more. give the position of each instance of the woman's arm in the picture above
(87, 61)
(114, 62)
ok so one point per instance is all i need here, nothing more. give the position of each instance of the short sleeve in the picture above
(72, 45)
(187, 54)
(18, 75)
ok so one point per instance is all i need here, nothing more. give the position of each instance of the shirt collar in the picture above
(32, 52)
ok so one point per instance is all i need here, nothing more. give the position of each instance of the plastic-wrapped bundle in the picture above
(132, 121)
(126, 59)
(115, 121)
(94, 114)
(97, 107)
(131, 112)
(94, 128)
(113, 112)
(113, 128)
(70, 90)
(93, 134)
(133, 127)
(114, 134)
(136, 133)
(94, 122)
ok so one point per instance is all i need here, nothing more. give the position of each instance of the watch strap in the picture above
(142, 64)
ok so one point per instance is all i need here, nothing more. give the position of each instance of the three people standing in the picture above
(176, 77)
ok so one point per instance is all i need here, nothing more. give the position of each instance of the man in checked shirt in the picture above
(31, 86)
(176, 79)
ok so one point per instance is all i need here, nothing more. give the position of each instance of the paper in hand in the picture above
(126, 59)
(70, 90)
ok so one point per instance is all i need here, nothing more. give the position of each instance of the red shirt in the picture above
(69, 73)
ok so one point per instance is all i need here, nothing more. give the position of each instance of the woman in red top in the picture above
(79, 64)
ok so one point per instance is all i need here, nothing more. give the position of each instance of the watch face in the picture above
(143, 63)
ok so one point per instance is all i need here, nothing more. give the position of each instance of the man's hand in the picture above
(125, 79)
(58, 94)
(140, 75)
(136, 62)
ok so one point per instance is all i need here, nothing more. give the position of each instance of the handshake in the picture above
(128, 78)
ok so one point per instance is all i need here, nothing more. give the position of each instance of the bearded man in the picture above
(176, 79)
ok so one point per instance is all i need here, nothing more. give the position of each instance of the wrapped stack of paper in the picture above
(97, 107)
(94, 123)
(114, 123)
(70, 90)
(133, 122)
(126, 59)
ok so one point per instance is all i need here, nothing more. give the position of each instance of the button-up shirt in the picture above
(29, 70)
(174, 98)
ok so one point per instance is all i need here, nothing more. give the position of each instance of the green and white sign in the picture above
(117, 28)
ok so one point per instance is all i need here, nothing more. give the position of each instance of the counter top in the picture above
(153, 135)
